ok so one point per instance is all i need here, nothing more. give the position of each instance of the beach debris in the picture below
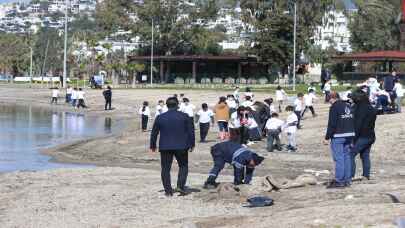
(300, 181)
(259, 201)
(395, 197)
(400, 222)
(349, 197)
(317, 173)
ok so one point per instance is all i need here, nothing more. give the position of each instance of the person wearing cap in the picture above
(242, 159)
(340, 132)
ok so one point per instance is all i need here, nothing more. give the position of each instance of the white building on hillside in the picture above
(334, 32)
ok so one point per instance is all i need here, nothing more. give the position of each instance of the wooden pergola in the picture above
(165, 62)
(387, 58)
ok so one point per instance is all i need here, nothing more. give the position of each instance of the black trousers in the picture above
(204, 128)
(145, 120)
(107, 104)
(54, 100)
(244, 135)
(81, 104)
(166, 160)
(311, 108)
(298, 113)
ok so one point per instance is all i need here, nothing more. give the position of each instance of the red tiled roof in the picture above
(374, 56)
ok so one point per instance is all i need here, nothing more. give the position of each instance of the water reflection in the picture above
(25, 129)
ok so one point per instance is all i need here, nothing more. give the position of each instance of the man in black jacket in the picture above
(176, 140)
(364, 123)
(107, 96)
(340, 132)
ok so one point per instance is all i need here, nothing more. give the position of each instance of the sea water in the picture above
(25, 130)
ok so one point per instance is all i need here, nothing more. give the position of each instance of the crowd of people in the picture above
(242, 120)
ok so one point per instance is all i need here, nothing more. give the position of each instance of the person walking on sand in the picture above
(107, 97)
(280, 97)
(80, 97)
(222, 115)
(204, 117)
(55, 94)
(364, 123)
(340, 132)
(74, 97)
(144, 111)
(176, 140)
(69, 91)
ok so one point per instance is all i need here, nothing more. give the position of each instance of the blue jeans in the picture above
(223, 126)
(343, 160)
(362, 146)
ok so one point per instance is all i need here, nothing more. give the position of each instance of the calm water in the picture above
(25, 130)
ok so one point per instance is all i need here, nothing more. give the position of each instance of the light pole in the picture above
(151, 59)
(65, 46)
(31, 67)
(295, 44)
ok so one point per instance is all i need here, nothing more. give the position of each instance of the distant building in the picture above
(334, 31)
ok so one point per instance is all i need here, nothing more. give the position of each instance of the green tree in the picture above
(271, 27)
(374, 26)
(15, 54)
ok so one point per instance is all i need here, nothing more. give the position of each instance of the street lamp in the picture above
(65, 47)
(295, 44)
(151, 59)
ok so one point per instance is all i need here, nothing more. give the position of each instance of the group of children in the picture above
(244, 121)
(74, 96)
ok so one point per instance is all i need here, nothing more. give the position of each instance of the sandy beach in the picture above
(124, 190)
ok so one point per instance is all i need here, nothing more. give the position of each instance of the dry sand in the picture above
(124, 190)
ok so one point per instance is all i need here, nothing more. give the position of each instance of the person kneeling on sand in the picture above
(242, 159)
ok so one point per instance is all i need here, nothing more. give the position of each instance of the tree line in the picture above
(181, 29)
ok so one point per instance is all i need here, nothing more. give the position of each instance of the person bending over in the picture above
(242, 159)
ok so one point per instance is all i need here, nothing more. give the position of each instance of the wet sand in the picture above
(124, 190)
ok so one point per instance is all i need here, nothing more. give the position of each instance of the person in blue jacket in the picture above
(242, 159)
(341, 133)
(176, 140)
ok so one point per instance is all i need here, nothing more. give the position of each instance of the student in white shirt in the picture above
(346, 95)
(273, 127)
(144, 111)
(312, 87)
(399, 92)
(249, 93)
(309, 100)
(188, 108)
(299, 107)
(69, 91)
(74, 97)
(280, 97)
(248, 103)
(80, 98)
(291, 128)
(326, 89)
(236, 94)
(160, 108)
(204, 116)
(231, 102)
(55, 94)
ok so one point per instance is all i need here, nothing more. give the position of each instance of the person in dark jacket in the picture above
(107, 96)
(242, 159)
(176, 140)
(364, 123)
(340, 132)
